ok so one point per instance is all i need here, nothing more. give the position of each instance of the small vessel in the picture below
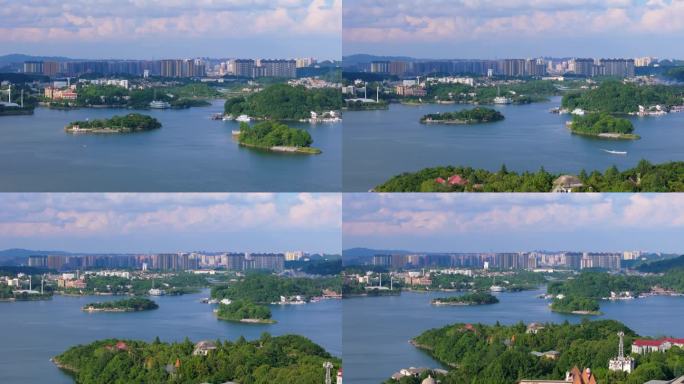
(228, 118)
(612, 152)
(496, 288)
(158, 104)
(243, 119)
(217, 116)
(501, 99)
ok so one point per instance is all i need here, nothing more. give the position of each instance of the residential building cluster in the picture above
(503, 260)
(531, 67)
(162, 261)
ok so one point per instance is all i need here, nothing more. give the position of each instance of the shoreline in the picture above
(284, 149)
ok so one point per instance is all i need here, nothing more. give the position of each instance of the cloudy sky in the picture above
(158, 29)
(514, 222)
(171, 222)
(514, 28)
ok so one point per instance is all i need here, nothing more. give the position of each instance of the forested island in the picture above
(285, 102)
(267, 289)
(477, 298)
(614, 96)
(576, 306)
(645, 177)
(507, 354)
(134, 304)
(603, 126)
(133, 122)
(276, 137)
(476, 115)
(288, 359)
(245, 311)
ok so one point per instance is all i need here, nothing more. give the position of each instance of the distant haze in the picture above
(514, 222)
(169, 222)
(145, 29)
(488, 29)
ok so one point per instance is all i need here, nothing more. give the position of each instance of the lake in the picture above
(380, 144)
(33, 332)
(190, 153)
(376, 330)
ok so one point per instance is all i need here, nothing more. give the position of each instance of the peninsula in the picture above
(478, 115)
(276, 137)
(133, 122)
(135, 304)
(477, 298)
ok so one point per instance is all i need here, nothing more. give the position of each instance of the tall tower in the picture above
(328, 366)
(621, 363)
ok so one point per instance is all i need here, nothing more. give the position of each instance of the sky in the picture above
(168, 222)
(157, 29)
(490, 29)
(514, 222)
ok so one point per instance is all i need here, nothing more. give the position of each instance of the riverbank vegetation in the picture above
(518, 93)
(645, 177)
(513, 282)
(262, 288)
(504, 354)
(604, 126)
(171, 284)
(576, 305)
(133, 122)
(477, 115)
(614, 96)
(134, 304)
(275, 136)
(285, 102)
(476, 298)
(245, 311)
(179, 97)
(286, 359)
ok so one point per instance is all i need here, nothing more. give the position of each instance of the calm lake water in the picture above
(33, 332)
(380, 144)
(376, 330)
(190, 152)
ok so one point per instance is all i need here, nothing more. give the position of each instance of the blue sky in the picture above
(514, 222)
(168, 222)
(514, 28)
(156, 29)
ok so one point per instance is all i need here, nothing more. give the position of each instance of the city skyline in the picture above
(511, 223)
(171, 222)
(491, 30)
(107, 29)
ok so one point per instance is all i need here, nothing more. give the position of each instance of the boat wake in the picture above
(614, 152)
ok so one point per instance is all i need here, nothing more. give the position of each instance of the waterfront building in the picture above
(266, 261)
(293, 255)
(582, 67)
(277, 68)
(617, 67)
(50, 68)
(382, 260)
(642, 346)
(513, 67)
(203, 348)
(244, 68)
(399, 68)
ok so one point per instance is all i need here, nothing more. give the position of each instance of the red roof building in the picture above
(457, 180)
(642, 346)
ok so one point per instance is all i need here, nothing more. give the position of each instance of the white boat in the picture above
(158, 104)
(496, 288)
(243, 119)
(228, 118)
(502, 100)
(612, 152)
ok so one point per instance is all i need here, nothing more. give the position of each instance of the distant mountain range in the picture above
(16, 58)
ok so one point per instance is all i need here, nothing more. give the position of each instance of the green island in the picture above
(288, 359)
(478, 353)
(245, 312)
(285, 102)
(268, 289)
(616, 97)
(645, 177)
(477, 298)
(276, 137)
(478, 115)
(358, 105)
(134, 304)
(576, 306)
(603, 126)
(133, 122)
